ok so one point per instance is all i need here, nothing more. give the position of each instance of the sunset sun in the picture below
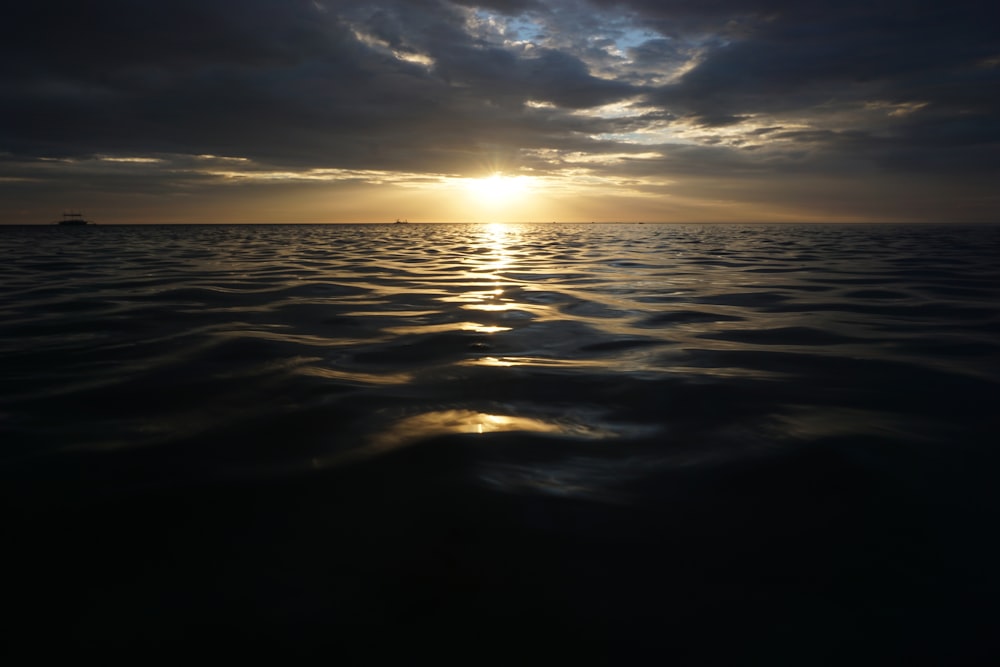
(498, 188)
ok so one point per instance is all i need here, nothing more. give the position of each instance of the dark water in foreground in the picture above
(627, 444)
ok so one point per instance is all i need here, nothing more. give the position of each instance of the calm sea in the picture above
(629, 444)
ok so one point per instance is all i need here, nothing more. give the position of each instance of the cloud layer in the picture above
(846, 109)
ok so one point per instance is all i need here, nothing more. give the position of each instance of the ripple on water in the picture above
(129, 331)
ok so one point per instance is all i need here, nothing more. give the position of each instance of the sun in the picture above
(498, 188)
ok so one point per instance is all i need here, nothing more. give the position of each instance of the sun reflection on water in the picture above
(448, 422)
(488, 289)
(474, 327)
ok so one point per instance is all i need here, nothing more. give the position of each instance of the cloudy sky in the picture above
(447, 110)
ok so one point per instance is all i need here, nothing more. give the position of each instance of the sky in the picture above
(137, 111)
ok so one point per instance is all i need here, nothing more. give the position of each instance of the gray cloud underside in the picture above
(730, 87)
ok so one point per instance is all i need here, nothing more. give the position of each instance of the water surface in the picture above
(612, 441)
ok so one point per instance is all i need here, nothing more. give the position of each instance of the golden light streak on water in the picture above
(448, 422)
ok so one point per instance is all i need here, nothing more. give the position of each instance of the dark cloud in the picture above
(804, 60)
(285, 81)
(793, 60)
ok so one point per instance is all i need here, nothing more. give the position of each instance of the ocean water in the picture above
(621, 444)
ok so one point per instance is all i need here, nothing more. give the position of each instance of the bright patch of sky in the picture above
(650, 137)
(646, 130)
(617, 110)
(510, 31)
(631, 37)
(365, 176)
(138, 160)
(613, 45)
(377, 44)
(896, 109)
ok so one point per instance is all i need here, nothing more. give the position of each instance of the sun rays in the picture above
(499, 189)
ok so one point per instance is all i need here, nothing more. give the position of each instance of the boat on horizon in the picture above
(72, 219)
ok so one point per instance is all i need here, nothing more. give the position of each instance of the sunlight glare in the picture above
(498, 188)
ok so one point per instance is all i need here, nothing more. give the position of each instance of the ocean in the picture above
(599, 443)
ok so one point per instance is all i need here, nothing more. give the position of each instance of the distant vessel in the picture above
(74, 220)
(401, 222)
